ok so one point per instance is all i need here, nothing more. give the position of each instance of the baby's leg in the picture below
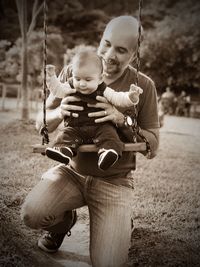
(65, 146)
(109, 144)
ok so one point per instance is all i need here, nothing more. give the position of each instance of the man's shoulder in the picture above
(143, 78)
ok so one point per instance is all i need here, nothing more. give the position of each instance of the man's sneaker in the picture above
(62, 154)
(50, 242)
(107, 159)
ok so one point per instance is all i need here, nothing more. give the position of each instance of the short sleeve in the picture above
(148, 106)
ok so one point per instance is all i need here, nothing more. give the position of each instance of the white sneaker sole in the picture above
(108, 159)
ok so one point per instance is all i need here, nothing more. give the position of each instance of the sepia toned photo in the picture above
(99, 133)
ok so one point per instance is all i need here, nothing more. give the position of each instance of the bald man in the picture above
(51, 204)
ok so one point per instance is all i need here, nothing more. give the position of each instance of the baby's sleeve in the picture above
(118, 99)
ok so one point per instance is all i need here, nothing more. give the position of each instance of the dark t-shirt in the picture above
(86, 163)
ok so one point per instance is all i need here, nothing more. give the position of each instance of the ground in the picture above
(166, 206)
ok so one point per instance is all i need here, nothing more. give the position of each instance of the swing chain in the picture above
(134, 112)
(45, 135)
(136, 129)
(138, 42)
(44, 129)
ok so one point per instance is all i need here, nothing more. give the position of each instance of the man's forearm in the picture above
(152, 137)
(53, 119)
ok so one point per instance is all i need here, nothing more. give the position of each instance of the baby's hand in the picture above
(50, 70)
(134, 93)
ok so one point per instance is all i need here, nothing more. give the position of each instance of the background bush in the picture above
(170, 51)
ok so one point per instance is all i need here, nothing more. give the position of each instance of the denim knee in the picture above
(35, 218)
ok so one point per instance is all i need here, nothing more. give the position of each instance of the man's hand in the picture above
(134, 93)
(66, 109)
(109, 112)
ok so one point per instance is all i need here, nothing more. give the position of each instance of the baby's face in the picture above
(86, 78)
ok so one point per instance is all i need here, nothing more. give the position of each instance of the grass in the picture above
(166, 206)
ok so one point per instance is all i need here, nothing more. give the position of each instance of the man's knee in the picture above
(35, 217)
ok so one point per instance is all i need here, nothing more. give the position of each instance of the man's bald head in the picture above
(125, 26)
(124, 22)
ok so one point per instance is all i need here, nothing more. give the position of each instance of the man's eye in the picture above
(121, 50)
(107, 44)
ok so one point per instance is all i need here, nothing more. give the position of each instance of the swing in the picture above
(134, 146)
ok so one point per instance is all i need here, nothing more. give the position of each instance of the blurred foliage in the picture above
(170, 51)
(11, 63)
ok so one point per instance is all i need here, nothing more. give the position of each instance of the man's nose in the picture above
(110, 54)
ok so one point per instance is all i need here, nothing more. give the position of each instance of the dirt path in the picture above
(74, 251)
(181, 125)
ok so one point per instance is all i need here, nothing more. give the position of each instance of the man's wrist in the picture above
(119, 120)
(125, 122)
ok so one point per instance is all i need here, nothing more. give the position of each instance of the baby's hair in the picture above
(84, 57)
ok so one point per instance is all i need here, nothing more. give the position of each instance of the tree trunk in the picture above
(25, 108)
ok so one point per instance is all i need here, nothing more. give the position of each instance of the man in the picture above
(107, 194)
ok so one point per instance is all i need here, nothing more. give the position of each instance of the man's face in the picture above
(117, 48)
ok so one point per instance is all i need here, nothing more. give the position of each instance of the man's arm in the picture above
(150, 136)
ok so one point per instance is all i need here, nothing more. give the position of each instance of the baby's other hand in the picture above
(134, 93)
(50, 70)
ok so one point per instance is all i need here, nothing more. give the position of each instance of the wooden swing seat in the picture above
(135, 147)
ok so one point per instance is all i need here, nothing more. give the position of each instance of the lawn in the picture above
(166, 207)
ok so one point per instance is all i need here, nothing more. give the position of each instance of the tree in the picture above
(25, 33)
(173, 43)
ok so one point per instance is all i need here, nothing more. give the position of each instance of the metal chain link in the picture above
(44, 129)
(139, 41)
(137, 68)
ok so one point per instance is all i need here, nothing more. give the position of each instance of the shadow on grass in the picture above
(151, 248)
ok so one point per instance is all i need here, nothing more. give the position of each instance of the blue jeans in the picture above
(109, 204)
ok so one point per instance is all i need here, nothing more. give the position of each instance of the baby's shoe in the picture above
(107, 158)
(62, 154)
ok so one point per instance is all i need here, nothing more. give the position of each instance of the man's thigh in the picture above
(110, 215)
(57, 192)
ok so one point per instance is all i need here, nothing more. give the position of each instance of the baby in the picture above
(87, 79)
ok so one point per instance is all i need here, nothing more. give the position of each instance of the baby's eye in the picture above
(77, 79)
(88, 79)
